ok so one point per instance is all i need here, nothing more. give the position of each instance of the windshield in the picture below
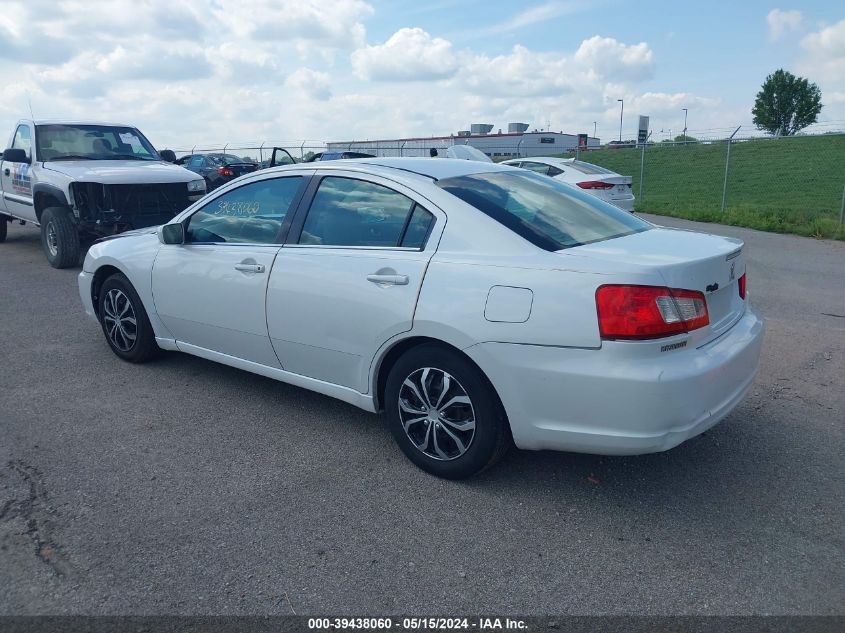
(589, 168)
(546, 212)
(92, 142)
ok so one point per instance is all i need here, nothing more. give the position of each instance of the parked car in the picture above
(217, 169)
(602, 183)
(467, 152)
(337, 156)
(82, 180)
(473, 303)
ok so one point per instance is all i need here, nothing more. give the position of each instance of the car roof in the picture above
(436, 168)
(65, 122)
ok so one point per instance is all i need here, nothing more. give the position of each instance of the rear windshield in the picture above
(546, 212)
(589, 168)
(219, 159)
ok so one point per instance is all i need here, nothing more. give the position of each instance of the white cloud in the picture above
(410, 54)
(539, 13)
(188, 72)
(336, 24)
(611, 59)
(315, 84)
(825, 53)
(783, 22)
(823, 62)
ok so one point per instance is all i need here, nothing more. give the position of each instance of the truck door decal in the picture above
(21, 181)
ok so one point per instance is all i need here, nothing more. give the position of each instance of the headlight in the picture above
(196, 186)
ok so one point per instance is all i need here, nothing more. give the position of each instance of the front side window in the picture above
(23, 140)
(92, 142)
(349, 212)
(195, 162)
(544, 211)
(251, 214)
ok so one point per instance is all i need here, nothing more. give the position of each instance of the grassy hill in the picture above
(787, 185)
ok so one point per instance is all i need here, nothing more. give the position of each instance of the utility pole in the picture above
(594, 129)
(621, 112)
(685, 124)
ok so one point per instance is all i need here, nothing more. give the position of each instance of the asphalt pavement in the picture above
(183, 486)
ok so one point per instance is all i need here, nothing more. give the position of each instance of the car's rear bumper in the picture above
(607, 401)
(626, 204)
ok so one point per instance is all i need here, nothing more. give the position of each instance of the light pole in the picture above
(685, 124)
(621, 112)
(594, 129)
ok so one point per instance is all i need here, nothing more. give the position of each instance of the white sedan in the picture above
(602, 183)
(475, 304)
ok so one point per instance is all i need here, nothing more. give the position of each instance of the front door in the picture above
(210, 291)
(351, 279)
(17, 181)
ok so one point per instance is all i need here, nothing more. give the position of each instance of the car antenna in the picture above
(29, 102)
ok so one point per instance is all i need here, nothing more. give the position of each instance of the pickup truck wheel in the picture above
(124, 320)
(59, 237)
(4, 227)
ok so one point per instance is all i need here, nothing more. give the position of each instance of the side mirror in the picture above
(15, 156)
(168, 155)
(171, 233)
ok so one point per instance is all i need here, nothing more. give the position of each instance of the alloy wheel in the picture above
(436, 414)
(119, 319)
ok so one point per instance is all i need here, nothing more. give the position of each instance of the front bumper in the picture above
(85, 281)
(610, 402)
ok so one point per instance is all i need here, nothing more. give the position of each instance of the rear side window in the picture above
(350, 212)
(544, 211)
(252, 214)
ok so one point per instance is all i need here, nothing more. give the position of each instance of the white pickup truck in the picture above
(82, 180)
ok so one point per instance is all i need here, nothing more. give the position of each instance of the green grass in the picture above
(787, 185)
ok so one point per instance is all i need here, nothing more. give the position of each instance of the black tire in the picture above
(113, 295)
(4, 227)
(490, 438)
(60, 237)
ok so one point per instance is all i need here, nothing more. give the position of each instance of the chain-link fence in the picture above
(788, 184)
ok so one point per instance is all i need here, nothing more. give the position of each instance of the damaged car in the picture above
(80, 181)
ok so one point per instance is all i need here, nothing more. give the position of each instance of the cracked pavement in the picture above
(186, 487)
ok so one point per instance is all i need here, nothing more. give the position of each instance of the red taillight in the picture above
(643, 312)
(595, 184)
(742, 286)
(225, 171)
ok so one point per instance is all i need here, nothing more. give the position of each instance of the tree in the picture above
(786, 104)
(683, 138)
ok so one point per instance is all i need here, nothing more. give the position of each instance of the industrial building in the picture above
(517, 141)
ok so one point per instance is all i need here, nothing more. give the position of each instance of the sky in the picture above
(193, 73)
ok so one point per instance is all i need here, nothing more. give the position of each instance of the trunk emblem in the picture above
(732, 271)
(712, 287)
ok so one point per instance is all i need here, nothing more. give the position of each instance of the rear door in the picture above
(17, 177)
(349, 278)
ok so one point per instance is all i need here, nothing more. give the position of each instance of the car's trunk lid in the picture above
(241, 168)
(687, 260)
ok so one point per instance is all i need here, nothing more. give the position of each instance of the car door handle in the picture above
(389, 280)
(250, 268)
